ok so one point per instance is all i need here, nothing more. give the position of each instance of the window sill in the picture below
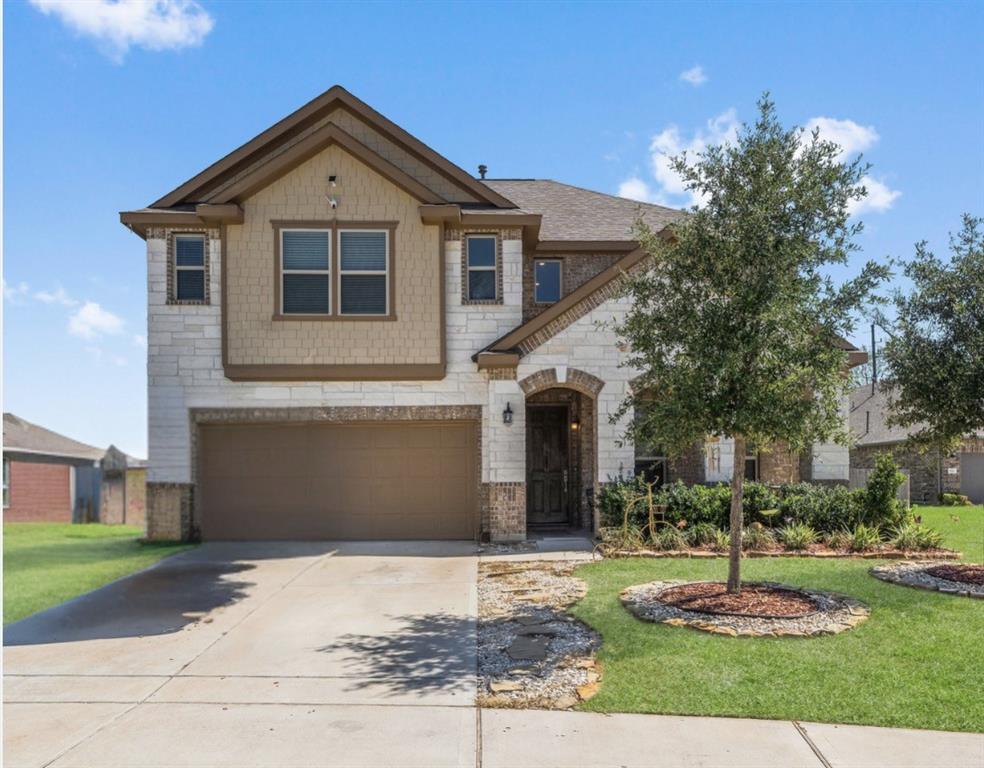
(189, 302)
(335, 318)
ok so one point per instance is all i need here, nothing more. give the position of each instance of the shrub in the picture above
(696, 503)
(910, 536)
(702, 534)
(955, 500)
(621, 537)
(669, 537)
(839, 539)
(614, 501)
(823, 508)
(722, 541)
(759, 503)
(864, 538)
(880, 505)
(797, 536)
(757, 536)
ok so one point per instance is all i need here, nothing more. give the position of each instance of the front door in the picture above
(546, 465)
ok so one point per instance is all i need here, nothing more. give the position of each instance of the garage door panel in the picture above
(405, 480)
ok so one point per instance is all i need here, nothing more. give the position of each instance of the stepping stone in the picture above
(533, 648)
(504, 687)
(538, 629)
(527, 620)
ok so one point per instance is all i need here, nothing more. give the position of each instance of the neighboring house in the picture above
(351, 337)
(930, 473)
(48, 477)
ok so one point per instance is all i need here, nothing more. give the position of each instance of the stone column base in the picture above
(169, 511)
(504, 509)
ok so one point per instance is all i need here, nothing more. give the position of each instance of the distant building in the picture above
(48, 477)
(930, 474)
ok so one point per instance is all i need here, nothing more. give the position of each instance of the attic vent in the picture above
(482, 170)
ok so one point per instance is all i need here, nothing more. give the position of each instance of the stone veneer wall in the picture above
(779, 465)
(923, 468)
(951, 464)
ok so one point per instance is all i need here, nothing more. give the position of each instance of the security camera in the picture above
(332, 201)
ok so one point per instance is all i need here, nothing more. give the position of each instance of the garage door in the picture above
(972, 476)
(338, 481)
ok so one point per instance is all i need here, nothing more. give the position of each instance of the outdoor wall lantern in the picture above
(507, 414)
(575, 425)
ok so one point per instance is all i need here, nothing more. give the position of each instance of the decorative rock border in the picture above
(835, 613)
(913, 574)
(703, 554)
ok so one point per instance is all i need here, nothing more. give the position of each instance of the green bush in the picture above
(839, 539)
(669, 537)
(702, 534)
(722, 541)
(615, 498)
(797, 536)
(759, 503)
(865, 538)
(910, 536)
(758, 537)
(823, 508)
(880, 506)
(696, 503)
(621, 537)
(954, 500)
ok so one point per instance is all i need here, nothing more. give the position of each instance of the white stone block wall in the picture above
(830, 460)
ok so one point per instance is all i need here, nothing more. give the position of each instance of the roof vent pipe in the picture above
(482, 170)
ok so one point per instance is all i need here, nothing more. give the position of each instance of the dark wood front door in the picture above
(546, 465)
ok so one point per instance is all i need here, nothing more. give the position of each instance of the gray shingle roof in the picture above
(21, 435)
(869, 416)
(574, 213)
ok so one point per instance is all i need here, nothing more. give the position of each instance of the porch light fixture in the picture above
(575, 425)
(507, 414)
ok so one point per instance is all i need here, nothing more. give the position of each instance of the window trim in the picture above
(387, 273)
(560, 281)
(752, 454)
(329, 272)
(494, 269)
(6, 482)
(173, 267)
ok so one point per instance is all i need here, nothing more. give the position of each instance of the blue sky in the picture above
(106, 109)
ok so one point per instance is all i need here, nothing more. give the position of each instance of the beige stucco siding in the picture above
(254, 338)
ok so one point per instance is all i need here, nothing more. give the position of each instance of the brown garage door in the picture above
(338, 481)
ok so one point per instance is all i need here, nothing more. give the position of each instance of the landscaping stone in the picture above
(914, 574)
(531, 652)
(835, 613)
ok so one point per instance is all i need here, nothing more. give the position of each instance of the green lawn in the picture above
(45, 564)
(917, 662)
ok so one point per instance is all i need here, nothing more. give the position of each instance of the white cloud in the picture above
(13, 294)
(722, 129)
(91, 321)
(695, 76)
(850, 136)
(156, 25)
(635, 188)
(140, 340)
(58, 296)
(879, 198)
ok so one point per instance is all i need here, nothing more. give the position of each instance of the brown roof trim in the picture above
(439, 214)
(336, 96)
(310, 146)
(202, 216)
(409, 372)
(497, 360)
(511, 340)
(226, 213)
(500, 219)
(597, 246)
(856, 357)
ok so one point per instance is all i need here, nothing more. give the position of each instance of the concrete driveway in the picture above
(320, 655)
(302, 654)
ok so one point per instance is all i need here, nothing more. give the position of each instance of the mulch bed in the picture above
(808, 612)
(816, 551)
(965, 574)
(754, 600)
(966, 579)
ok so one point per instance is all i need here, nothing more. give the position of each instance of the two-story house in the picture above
(351, 337)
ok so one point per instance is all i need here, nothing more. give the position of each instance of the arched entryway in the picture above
(561, 448)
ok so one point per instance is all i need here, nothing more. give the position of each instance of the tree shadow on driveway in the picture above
(429, 653)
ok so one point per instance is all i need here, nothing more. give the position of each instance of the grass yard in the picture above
(45, 564)
(916, 662)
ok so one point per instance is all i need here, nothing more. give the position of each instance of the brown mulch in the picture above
(758, 600)
(966, 574)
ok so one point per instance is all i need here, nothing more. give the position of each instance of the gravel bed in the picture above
(912, 574)
(835, 613)
(527, 603)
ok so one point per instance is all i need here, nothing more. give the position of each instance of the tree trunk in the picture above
(737, 478)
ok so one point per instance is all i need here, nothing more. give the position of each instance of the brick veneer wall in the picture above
(779, 465)
(504, 510)
(576, 269)
(39, 492)
(688, 467)
(952, 482)
(923, 468)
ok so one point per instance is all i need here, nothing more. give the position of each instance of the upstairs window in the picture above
(363, 272)
(546, 281)
(6, 483)
(305, 264)
(189, 268)
(481, 267)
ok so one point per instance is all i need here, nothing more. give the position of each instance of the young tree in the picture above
(937, 350)
(734, 326)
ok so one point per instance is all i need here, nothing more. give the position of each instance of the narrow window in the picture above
(751, 463)
(650, 460)
(189, 267)
(305, 260)
(481, 267)
(363, 272)
(6, 483)
(546, 281)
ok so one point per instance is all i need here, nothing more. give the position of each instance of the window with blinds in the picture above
(481, 267)
(305, 256)
(363, 271)
(189, 267)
